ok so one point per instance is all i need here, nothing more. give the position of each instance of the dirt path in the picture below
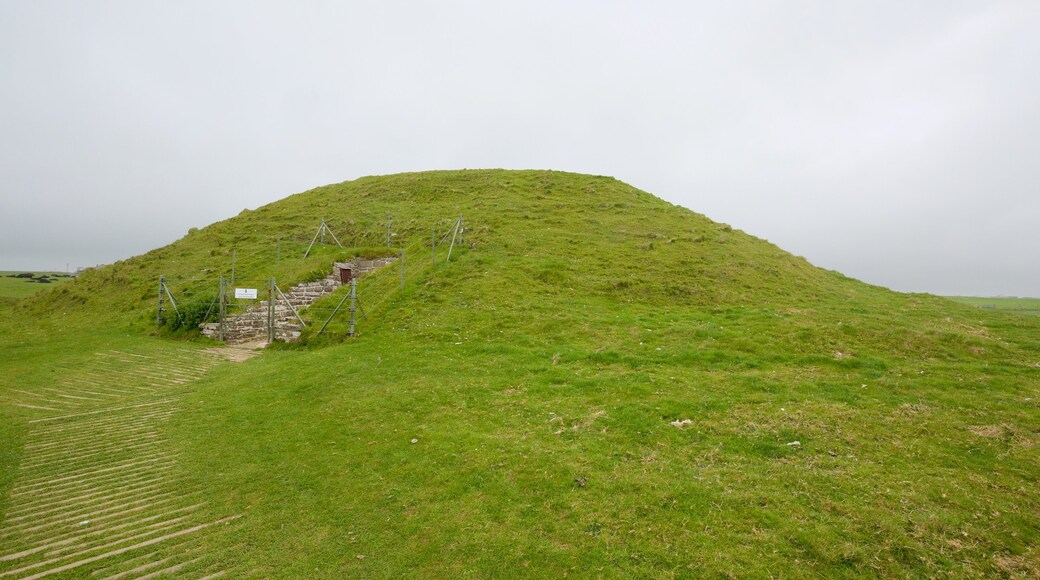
(97, 491)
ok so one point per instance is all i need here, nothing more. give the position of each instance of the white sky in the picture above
(897, 142)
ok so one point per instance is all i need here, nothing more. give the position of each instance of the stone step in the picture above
(253, 323)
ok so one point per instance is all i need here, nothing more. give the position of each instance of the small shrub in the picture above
(189, 315)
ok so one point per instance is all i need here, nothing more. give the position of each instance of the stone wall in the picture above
(360, 267)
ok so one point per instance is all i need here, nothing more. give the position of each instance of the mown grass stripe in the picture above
(96, 428)
(180, 364)
(158, 374)
(87, 514)
(104, 436)
(137, 479)
(66, 388)
(123, 550)
(170, 570)
(65, 394)
(89, 442)
(33, 484)
(116, 538)
(53, 444)
(59, 460)
(36, 407)
(168, 550)
(139, 569)
(163, 373)
(213, 546)
(197, 358)
(115, 478)
(113, 520)
(106, 485)
(122, 495)
(85, 479)
(133, 354)
(100, 424)
(97, 447)
(108, 554)
(109, 410)
(73, 459)
(41, 397)
(84, 542)
(84, 381)
(86, 500)
(68, 537)
(28, 393)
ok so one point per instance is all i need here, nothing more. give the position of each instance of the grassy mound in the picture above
(600, 383)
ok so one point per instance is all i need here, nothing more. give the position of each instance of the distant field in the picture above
(1029, 306)
(11, 287)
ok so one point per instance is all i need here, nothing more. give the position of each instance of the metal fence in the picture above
(246, 290)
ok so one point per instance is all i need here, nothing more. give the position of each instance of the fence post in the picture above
(221, 309)
(458, 224)
(389, 220)
(158, 313)
(353, 306)
(270, 311)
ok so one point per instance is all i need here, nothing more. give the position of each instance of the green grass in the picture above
(1030, 306)
(539, 374)
(11, 287)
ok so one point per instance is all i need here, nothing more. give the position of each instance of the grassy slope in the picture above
(584, 319)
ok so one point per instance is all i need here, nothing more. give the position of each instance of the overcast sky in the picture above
(897, 142)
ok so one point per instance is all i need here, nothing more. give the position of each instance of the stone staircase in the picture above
(251, 325)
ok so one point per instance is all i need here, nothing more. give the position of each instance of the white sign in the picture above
(245, 293)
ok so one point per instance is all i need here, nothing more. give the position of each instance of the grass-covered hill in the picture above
(510, 413)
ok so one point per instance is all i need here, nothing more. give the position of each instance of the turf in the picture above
(510, 413)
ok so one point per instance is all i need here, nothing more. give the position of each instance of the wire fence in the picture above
(379, 289)
(244, 287)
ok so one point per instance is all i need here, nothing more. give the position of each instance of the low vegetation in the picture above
(599, 384)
